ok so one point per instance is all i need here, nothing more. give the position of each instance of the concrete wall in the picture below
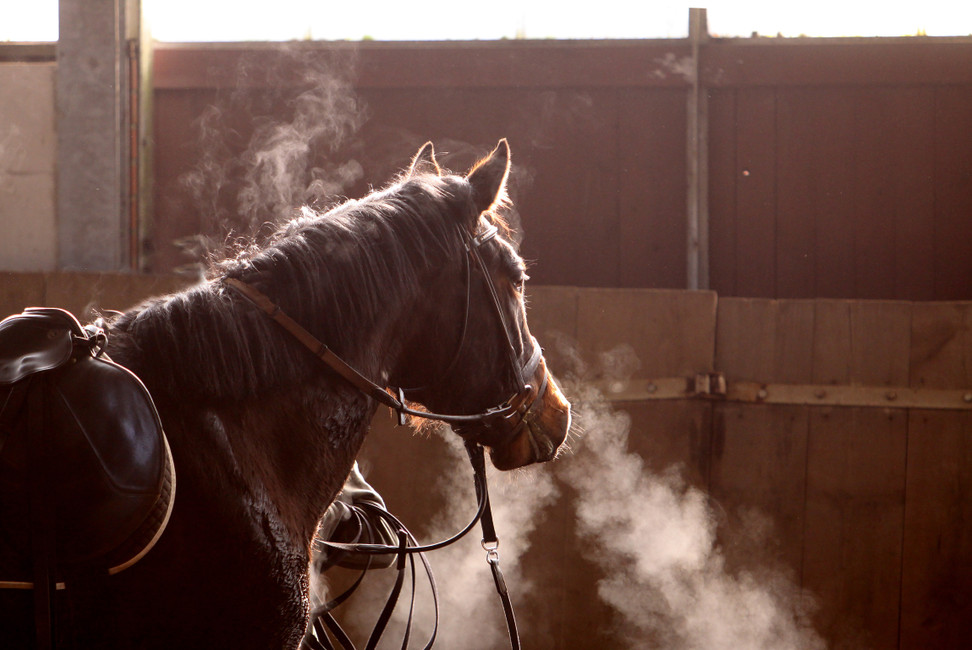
(28, 151)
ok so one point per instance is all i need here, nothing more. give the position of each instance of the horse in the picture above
(415, 286)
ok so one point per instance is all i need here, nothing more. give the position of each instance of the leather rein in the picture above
(509, 418)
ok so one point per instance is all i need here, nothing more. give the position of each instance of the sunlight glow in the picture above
(839, 18)
(281, 20)
(34, 21)
(227, 20)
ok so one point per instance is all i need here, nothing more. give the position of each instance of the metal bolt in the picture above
(967, 397)
(651, 388)
(762, 393)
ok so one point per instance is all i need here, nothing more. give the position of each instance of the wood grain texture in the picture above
(854, 524)
(936, 611)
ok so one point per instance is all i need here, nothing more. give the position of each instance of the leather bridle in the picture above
(505, 420)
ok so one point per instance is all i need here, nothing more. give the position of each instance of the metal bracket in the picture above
(710, 385)
(715, 386)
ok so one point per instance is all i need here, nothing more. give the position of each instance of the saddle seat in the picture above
(79, 438)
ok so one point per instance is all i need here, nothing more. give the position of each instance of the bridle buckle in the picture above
(401, 412)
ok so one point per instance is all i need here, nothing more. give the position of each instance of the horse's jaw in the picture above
(544, 431)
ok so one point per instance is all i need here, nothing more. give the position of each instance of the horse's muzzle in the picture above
(541, 429)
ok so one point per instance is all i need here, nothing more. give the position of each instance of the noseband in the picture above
(505, 420)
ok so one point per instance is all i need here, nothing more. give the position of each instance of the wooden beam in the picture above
(752, 392)
(451, 64)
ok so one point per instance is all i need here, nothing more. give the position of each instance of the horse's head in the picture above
(472, 352)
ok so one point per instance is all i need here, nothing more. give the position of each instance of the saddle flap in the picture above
(90, 430)
(105, 459)
(37, 340)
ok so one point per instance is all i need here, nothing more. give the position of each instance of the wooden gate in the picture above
(847, 423)
(876, 399)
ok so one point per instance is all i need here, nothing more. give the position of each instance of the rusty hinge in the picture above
(711, 385)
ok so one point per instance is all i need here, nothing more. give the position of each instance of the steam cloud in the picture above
(464, 577)
(656, 541)
(284, 164)
(471, 616)
(279, 170)
(665, 575)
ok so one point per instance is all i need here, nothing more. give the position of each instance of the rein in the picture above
(510, 415)
(408, 547)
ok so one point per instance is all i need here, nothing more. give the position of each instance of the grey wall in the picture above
(28, 151)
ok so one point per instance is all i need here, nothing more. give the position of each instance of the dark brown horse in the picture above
(263, 434)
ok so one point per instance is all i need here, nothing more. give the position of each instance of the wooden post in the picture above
(143, 160)
(93, 139)
(697, 158)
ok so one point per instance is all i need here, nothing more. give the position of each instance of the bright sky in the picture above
(237, 20)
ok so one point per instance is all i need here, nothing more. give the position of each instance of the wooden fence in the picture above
(835, 168)
(846, 423)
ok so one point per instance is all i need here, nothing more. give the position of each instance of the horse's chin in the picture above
(523, 450)
(542, 435)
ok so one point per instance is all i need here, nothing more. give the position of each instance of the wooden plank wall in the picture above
(830, 172)
(845, 467)
(837, 168)
(83, 294)
(580, 118)
(867, 508)
(868, 500)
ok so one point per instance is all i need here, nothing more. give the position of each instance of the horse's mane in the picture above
(334, 273)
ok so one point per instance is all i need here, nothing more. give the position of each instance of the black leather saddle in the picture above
(86, 476)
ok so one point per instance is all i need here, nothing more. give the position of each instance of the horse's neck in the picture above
(291, 442)
(294, 451)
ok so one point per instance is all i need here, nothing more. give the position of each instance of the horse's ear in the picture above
(488, 177)
(424, 161)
